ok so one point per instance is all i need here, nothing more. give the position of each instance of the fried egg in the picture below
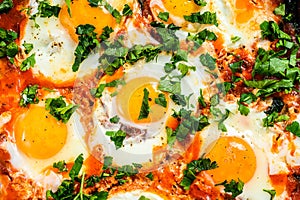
(54, 39)
(243, 152)
(39, 140)
(147, 133)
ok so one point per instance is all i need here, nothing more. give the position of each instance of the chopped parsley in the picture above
(127, 10)
(150, 176)
(173, 87)
(117, 137)
(280, 10)
(236, 66)
(106, 31)
(145, 109)
(199, 38)
(201, 99)
(273, 118)
(272, 193)
(76, 167)
(115, 119)
(195, 167)
(163, 16)
(200, 2)
(59, 109)
(28, 63)
(5, 6)
(143, 198)
(246, 99)
(61, 166)
(28, 47)
(189, 125)
(29, 96)
(205, 18)
(179, 99)
(97, 92)
(46, 10)
(161, 100)
(68, 3)
(234, 187)
(294, 128)
(271, 31)
(87, 42)
(184, 69)
(68, 188)
(208, 61)
(8, 47)
(234, 39)
(114, 12)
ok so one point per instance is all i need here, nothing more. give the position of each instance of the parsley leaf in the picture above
(7, 45)
(205, 18)
(236, 66)
(193, 168)
(189, 125)
(163, 16)
(150, 176)
(200, 2)
(246, 98)
(29, 96)
(97, 92)
(76, 167)
(68, 3)
(208, 61)
(173, 87)
(114, 12)
(115, 119)
(280, 10)
(143, 198)
(5, 6)
(27, 63)
(28, 47)
(46, 10)
(145, 109)
(234, 39)
(271, 192)
(171, 136)
(61, 166)
(272, 118)
(117, 137)
(161, 100)
(59, 109)
(234, 187)
(199, 38)
(127, 10)
(294, 128)
(272, 31)
(179, 99)
(87, 42)
(106, 31)
(201, 99)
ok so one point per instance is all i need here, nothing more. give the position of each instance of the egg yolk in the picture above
(83, 13)
(181, 7)
(130, 98)
(235, 158)
(38, 134)
(244, 11)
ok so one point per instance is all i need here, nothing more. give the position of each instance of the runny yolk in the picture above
(244, 11)
(181, 7)
(129, 100)
(38, 134)
(83, 13)
(235, 158)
